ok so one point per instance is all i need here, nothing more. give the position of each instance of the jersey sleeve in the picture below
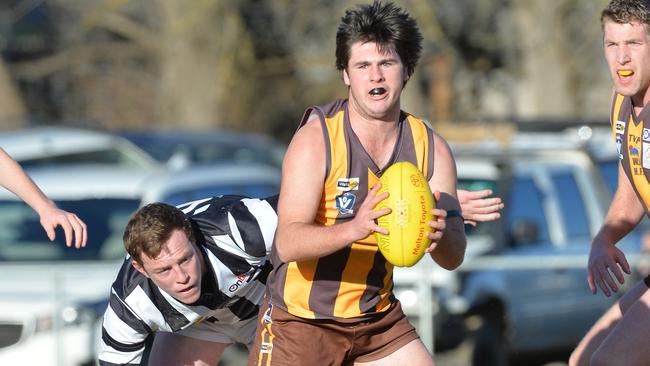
(124, 333)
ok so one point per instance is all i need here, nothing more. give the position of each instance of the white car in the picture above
(51, 295)
(49, 146)
(196, 182)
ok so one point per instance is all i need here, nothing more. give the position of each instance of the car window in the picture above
(22, 237)
(248, 190)
(609, 171)
(574, 213)
(526, 204)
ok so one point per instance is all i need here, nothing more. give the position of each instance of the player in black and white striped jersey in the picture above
(195, 277)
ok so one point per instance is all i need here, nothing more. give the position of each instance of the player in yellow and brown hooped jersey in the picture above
(620, 336)
(331, 299)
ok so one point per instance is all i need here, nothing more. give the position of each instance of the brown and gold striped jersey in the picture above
(632, 134)
(356, 282)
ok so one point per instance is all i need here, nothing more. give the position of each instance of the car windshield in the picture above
(476, 185)
(22, 237)
(609, 171)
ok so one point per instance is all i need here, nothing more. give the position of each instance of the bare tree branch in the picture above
(83, 54)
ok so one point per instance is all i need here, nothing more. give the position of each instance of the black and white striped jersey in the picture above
(235, 236)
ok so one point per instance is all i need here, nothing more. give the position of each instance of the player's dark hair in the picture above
(382, 23)
(626, 11)
(151, 226)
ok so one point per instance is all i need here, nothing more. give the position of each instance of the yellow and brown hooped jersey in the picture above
(355, 282)
(632, 134)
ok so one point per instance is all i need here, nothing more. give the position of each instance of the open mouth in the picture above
(625, 73)
(377, 91)
(188, 289)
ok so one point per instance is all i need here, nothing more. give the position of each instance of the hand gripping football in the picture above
(411, 203)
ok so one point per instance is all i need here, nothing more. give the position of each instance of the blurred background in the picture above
(110, 104)
(255, 65)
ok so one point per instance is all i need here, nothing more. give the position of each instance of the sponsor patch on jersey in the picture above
(646, 134)
(266, 347)
(241, 280)
(646, 154)
(620, 127)
(619, 143)
(345, 203)
(267, 315)
(633, 151)
(347, 184)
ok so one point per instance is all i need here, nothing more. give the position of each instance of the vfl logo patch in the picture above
(620, 127)
(347, 184)
(345, 203)
(646, 134)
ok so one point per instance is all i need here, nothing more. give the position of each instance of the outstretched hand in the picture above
(73, 226)
(604, 260)
(477, 206)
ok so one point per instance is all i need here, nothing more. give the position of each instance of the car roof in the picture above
(43, 142)
(215, 174)
(168, 145)
(88, 181)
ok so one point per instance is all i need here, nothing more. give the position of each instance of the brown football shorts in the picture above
(284, 339)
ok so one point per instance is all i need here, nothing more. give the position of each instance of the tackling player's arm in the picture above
(449, 242)
(14, 178)
(624, 214)
(303, 174)
(122, 343)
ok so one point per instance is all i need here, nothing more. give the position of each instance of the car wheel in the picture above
(490, 344)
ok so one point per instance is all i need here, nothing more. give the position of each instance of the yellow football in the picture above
(411, 202)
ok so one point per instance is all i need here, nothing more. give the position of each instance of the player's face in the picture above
(627, 51)
(375, 81)
(177, 270)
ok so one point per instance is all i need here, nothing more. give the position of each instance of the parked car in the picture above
(522, 287)
(51, 295)
(196, 182)
(50, 146)
(180, 148)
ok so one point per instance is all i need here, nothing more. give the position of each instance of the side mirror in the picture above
(523, 232)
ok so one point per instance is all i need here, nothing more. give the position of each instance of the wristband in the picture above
(454, 213)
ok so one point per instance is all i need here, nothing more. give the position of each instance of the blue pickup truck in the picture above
(522, 287)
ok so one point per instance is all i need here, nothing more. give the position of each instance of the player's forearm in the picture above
(624, 214)
(450, 252)
(300, 241)
(15, 179)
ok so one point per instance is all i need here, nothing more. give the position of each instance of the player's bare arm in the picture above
(14, 178)
(448, 246)
(605, 258)
(303, 173)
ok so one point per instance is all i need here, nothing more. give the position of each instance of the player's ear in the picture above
(139, 267)
(346, 77)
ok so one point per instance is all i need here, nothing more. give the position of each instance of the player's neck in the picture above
(640, 100)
